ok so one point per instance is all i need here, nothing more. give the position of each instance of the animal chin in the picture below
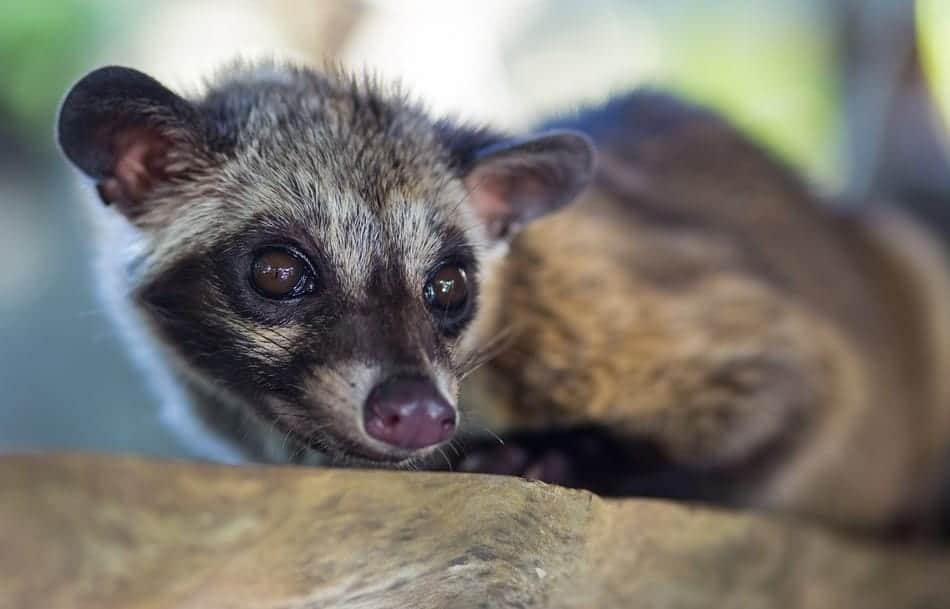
(369, 456)
(360, 452)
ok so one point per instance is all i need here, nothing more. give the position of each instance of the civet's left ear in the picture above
(515, 181)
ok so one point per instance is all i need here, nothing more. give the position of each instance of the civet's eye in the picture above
(281, 273)
(447, 291)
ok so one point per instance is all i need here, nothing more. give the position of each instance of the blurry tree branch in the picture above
(895, 137)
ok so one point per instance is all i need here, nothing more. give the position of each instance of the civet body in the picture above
(315, 266)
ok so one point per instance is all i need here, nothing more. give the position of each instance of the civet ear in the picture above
(129, 133)
(514, 181)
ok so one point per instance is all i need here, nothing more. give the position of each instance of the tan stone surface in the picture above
(84, 532)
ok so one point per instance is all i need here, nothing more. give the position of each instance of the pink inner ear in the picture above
(141, 158)
(504, 200)
(489, 199)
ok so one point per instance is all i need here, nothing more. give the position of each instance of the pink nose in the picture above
(408, 413)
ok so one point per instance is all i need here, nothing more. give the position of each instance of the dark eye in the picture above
(447, 289)
(280, 273)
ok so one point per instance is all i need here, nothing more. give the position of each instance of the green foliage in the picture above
(42, 44)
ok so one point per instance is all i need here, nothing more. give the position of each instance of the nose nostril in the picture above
(409, 414)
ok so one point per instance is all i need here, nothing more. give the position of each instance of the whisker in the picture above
(447, 461)
(490, 432)
(494, 346)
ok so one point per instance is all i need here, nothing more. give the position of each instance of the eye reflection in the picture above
(447, 290)
(278, 273)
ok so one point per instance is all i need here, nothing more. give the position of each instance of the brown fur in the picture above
(700, 296)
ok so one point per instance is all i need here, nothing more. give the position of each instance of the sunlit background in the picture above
(841, 90)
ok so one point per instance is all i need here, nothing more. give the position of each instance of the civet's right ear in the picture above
(515, 181)
(129, 133)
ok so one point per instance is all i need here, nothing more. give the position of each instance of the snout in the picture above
(408, 413)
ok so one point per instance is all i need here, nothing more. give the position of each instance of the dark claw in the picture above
(512, 460)
(551, 467)
(509, 460)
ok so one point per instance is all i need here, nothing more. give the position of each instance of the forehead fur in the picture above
(341, 155)
(372, 139)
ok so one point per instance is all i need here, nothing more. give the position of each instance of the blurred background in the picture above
(853, 93)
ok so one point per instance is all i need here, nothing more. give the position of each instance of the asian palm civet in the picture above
(313, 265)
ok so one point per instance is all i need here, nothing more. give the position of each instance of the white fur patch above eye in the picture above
(354, 242)
(415, 240)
